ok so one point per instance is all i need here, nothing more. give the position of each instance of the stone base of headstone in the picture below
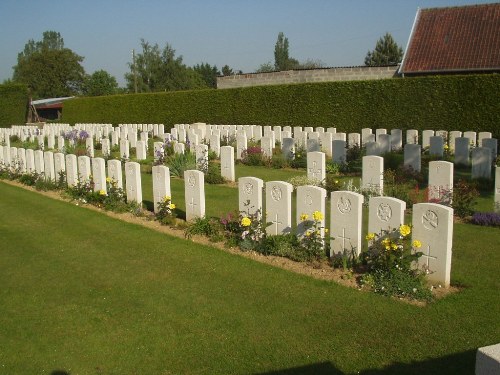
(488, 360)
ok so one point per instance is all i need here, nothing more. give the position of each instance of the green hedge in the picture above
(468, 102)
(13, 104)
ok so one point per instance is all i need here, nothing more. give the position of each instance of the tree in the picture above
(48, 68)
(386, 52)
(208, 73)
(311, 64)
(267, 67)
(159, 70)
(100, 83)
(282, 60)
(227, 71)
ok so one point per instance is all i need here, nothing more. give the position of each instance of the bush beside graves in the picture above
(13, 104)
(440, 102)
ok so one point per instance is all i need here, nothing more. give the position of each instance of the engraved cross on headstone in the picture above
(344, 238)
(276, 222)
(192, 204)
(316, 172)
(428, 257)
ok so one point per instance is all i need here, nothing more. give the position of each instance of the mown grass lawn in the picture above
(87, 294)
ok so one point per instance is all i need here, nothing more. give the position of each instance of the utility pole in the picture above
(135, 71)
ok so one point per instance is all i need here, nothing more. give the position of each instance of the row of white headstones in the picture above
(432, 223)
(334, 144)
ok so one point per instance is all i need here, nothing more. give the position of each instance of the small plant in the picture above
(302, 180)
(465, 197)
(490, 219)
(205, 226)
(312, 243)
(166, 211)
(390, 265)
(253, 155)
(178, 163)
(213, 174)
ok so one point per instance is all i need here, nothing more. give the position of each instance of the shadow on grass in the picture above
(317, 368)
(459, 363)
(59, 372)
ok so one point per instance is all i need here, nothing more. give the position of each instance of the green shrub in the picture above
(13, 104)
(451, 102)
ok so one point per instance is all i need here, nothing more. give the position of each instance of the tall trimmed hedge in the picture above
(13, 104)
(468, 102)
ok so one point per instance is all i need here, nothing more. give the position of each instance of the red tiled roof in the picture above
(454, 39)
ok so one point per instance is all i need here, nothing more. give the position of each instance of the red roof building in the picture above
(462, 39)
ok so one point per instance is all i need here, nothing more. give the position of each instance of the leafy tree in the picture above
(227, 71)
(311, 64)
(160, 70)
(48, 68)
(208, 73)
(386, 52)
(282, 60)
(100, 83)
(265, 68)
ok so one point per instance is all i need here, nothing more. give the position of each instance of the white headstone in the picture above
(124, 149)
(339, 151)
(492, 144)
(250, 196)
(84, 170)
(140, 150)
(379, 132)
(413, 156)
(115, 172)
(133, 182)
(316, 166)
(451, 138)
(440, 182)
(59, 165)
(472, 138)
(215, 144)
(266, 144)
(396, 139)
(279, 207)
(384, 143)
(202, 157)
(49, 170)
(227, 163)
(481, 136)
(346, 213)
(433, 227)
(21, 156)
(354, 140)
(365, 133)
(71, 170)
(161, 184)
(241, 146)
(385, 214)
(310, 199)
(39, 163)
(99, 174)
(105, 147)
(436, 144)
(89, 144)
(194, 186)
(412, 136)
(481, 163)
(426, 135)
(313, 144)
(30, 161)
(373, 173)
(462, 151)
(325, 140)
(179, 148)
(288, 148)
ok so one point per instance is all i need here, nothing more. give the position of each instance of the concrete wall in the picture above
(303, 76)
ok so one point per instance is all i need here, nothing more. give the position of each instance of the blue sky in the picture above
(239, 33)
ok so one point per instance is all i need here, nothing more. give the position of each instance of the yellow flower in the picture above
(394, 246)
(404, 230)
(317, 216)
(308, 234)
(417, 244)
(102, 192)
(166, 198)
(326, 230)
(336, 181)
(108, 179)
(386, 241)
(171, 206)
(318, 232)
(245, 222)
(304, 217)
(370, 236)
